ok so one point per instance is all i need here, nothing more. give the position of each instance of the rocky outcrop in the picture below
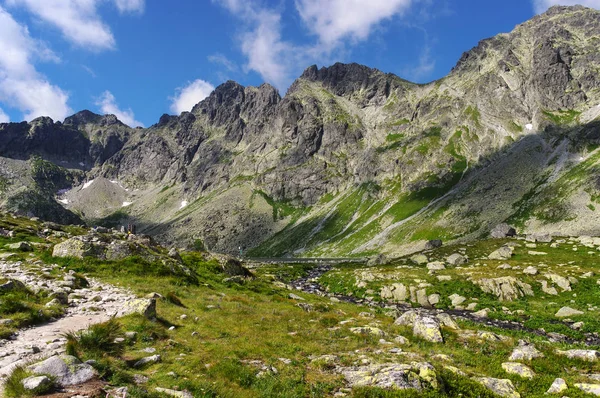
(506, 288)
(66, 369)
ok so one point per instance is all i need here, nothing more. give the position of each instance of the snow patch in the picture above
(184, 203)
(81, 164)
(87, 184)
(62, 192)
(64, 201)
(125, 204)
(529, 126)
(114, 181)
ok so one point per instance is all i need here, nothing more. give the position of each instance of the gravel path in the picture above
(93, 304)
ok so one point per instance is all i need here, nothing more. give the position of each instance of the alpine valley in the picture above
(461, 213)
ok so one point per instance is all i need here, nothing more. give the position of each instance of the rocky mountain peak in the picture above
(343, 79)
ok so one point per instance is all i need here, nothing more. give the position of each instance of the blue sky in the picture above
(139, 59)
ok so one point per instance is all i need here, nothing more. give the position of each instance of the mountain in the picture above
(351, 161)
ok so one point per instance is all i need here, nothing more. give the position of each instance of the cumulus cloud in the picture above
(335, 20)
(108, 104)
(78, 20)
(20, 83)
(542, 5)
(3, 117)
(188, 96)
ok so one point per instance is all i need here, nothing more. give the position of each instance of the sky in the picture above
(139, 59)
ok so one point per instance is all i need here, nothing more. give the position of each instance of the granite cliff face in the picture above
(352, 160)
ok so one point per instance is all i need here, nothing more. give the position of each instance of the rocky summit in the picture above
(361, 236)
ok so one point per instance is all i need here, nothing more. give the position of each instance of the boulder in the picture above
(407, 319)
(65, 369)
(73, 248)
(503, 253)
(234, 267)
(585, 355)
(436, 266)
(525, 352)
(119, 250)
(542, 238)
(566, 312)
(502, 231)
(447, 321)
(560, 281)
(21, 246)
(419, 259)
(558, 387)
(518, 369)
(457, 299)
(502, 387)
(379, 259)
(548, 289)
(368, 330)
(145, 307)
(397, 292)
(593, 389)
(456, 259)
(37, 383)
(530, 271)
(506, 288)
(422, 298)
(428, 329)
(417, 376)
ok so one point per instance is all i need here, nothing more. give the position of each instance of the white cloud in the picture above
(188, 96)
(130, 5)
(78, 20)
(20, 83)
(542, 5)
(425, 66)
(108, 104)
(3, 117)
(335, 20)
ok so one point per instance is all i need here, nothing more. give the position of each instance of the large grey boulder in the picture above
(145, 307)
(428, 328)
(456, 259)
(66, 369)
(502, 231)
(73, 248)
(525, 352)
(503, 253)
(506, 288)
(417, 376)
(12, 285)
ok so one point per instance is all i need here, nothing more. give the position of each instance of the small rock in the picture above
(36, 383)
(456, 259)
(502, 387)
(530, 271)
(295, 297)
(518, 369)
(525, 352)
(419, 259)
(503, 253)
(147, 360)
(565, 312)
(436, 266)
(368, 330)
(558, 386)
